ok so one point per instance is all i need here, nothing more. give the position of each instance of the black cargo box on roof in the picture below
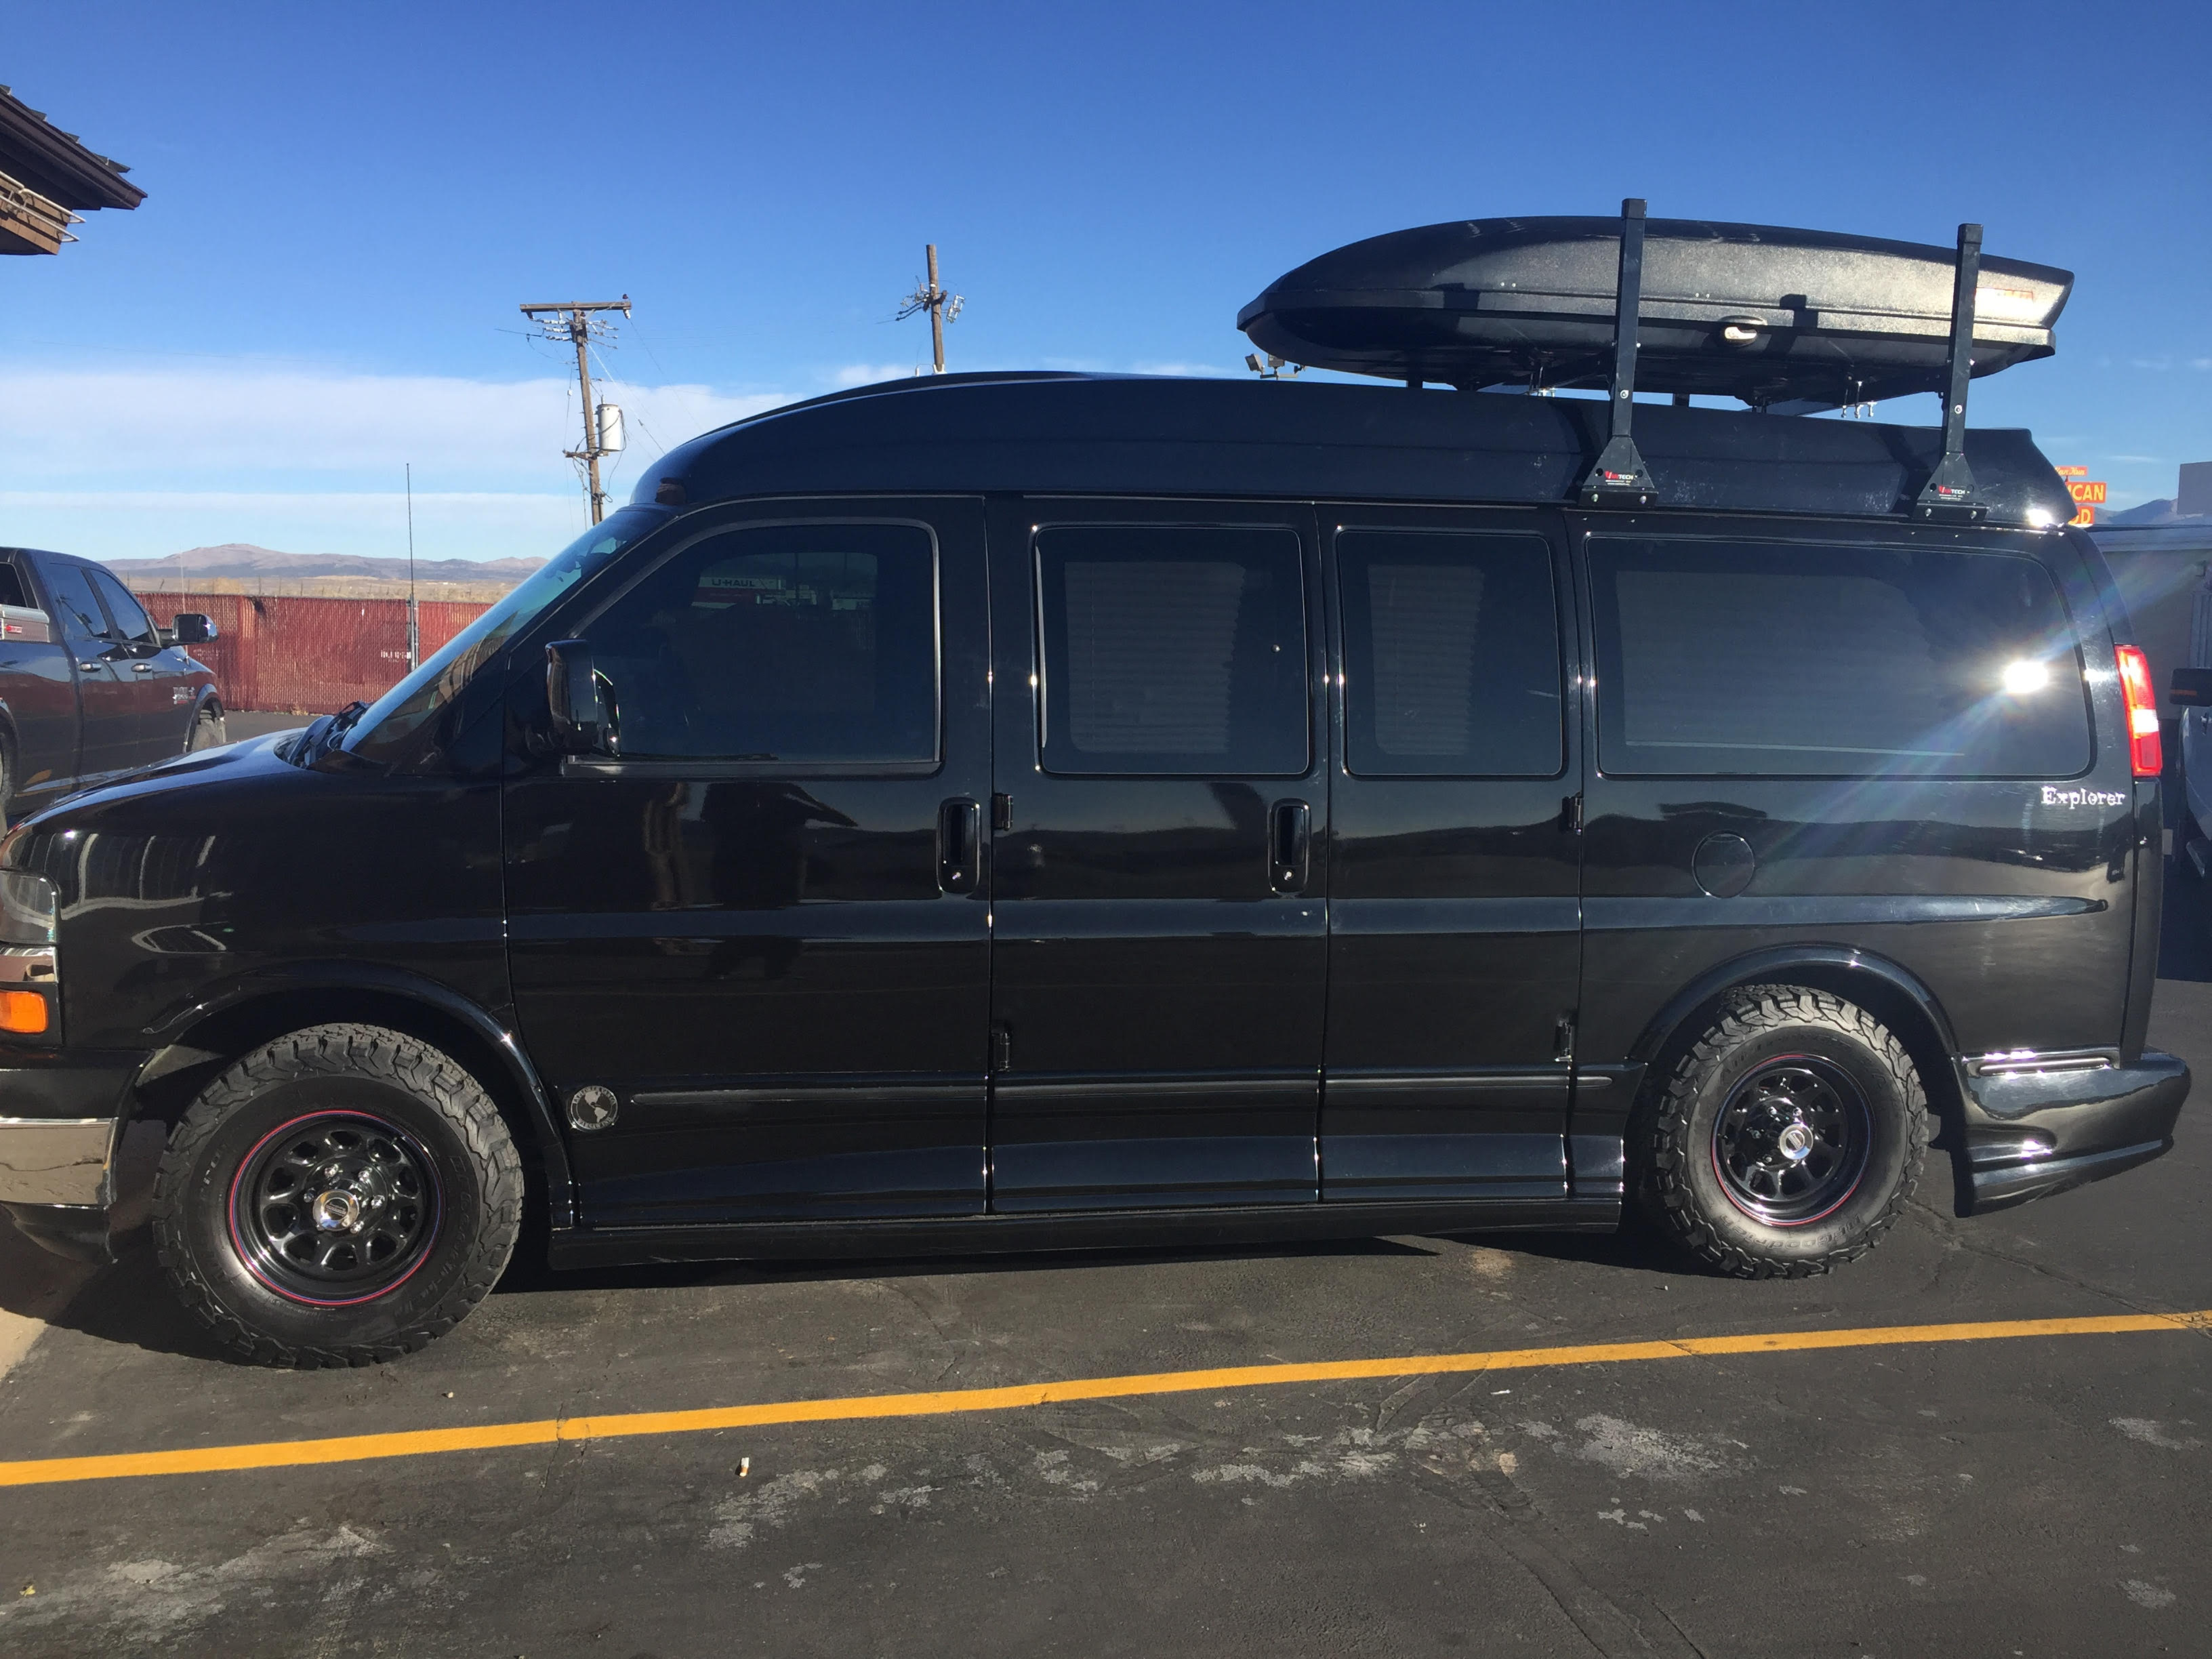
(1756, 311)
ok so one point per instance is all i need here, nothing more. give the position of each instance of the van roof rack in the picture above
(1789, 321)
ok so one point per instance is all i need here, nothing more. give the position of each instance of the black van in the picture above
(1009, 811)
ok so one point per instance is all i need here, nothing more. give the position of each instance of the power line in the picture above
(649, 351)
(576, 321)
(607, 378)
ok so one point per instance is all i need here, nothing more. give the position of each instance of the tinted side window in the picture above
(1452, 659)
(76, 610)
(794, 644)
(1174, 650)
(11, 586)
(1787, 659)
(130, 616)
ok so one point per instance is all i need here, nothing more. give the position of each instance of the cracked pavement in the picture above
(2033, 1498)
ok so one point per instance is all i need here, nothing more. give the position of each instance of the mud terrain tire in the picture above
(1787, 1138)
(338, 1197)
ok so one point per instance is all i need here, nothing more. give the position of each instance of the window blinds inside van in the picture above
(1812, 659)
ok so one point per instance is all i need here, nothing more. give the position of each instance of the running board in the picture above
(593, 1246)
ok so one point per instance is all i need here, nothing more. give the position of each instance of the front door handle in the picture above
(959, 846)
(141, 667)
(1289, 843)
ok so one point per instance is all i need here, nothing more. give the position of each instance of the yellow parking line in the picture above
(348, 1449)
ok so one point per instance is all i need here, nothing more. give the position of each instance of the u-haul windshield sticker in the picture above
(2056, 797)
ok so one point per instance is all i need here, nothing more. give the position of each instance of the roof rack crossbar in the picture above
(1620, 478)
(1950, 494)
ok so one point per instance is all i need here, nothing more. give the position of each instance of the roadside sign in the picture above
(2088, 494)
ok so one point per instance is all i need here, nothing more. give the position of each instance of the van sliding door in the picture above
(1159, 931)
(1455, 865)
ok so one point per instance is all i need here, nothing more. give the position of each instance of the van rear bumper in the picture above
(2041, 1124)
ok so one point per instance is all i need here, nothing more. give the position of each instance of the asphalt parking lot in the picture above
(2022, 1495)
(243, 723)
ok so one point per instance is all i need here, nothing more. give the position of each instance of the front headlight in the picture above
(26, 908)
(30, 982)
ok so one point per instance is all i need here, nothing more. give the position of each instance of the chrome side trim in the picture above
(1378, 1087)
(2027, 1062)
(56, 1160)
(1827, 910)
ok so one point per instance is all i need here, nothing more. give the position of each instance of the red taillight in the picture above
(2145, 749)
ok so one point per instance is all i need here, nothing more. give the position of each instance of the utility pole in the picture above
(942, 307)
(413, 619)
(575, 321)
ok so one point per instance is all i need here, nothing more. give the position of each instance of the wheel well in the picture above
(1915, 1025)
(230, 1033)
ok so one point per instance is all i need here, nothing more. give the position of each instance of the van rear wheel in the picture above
(338, 1197)
(1788, 1136)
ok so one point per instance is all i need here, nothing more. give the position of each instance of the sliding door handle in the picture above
(959, 846)
(1289, 844)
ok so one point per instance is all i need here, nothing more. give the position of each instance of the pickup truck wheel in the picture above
(209, 732)
(338, 1197)
(1788, 1136)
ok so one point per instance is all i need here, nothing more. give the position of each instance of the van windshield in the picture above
(385, 727)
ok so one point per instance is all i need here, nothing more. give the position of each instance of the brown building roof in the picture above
(47, 177)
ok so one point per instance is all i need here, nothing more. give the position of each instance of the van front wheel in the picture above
(340, 1196)
(1788, 1137)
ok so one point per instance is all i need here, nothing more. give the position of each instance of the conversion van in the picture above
(1007, 811)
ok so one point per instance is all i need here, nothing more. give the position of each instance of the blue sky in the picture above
(345, 206)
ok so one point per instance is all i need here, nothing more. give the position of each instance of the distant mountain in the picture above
(243, 559)
(2150, 513)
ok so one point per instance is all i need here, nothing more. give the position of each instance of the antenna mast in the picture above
(576, 322)
(413, 616)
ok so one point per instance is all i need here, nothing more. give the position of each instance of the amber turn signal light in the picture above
(22, 1011)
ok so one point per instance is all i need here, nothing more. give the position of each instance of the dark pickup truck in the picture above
(89, 688)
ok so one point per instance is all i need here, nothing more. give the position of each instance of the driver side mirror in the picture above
(191, 628)
(582, 702)
(2191, 688)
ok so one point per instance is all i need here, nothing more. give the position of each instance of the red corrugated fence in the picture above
(309, 656)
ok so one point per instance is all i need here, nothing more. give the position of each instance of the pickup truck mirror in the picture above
(582, 702)
(2191, 688)
(191, 628)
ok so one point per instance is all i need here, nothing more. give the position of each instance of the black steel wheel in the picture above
(1789, 1143)
(1787, 1136)
(339, 1196)
(335, 1207)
